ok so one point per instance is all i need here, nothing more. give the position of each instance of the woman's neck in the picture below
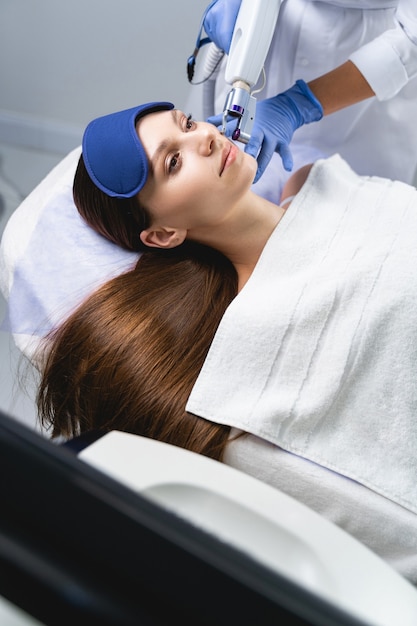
(246, 255)
(244, 234)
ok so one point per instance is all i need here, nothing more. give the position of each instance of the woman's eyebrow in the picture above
(162, 147)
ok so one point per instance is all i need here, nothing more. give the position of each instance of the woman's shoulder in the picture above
(320, 176)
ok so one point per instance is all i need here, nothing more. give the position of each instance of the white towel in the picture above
(318, 352)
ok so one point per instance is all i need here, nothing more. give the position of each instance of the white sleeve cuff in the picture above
(387, 62)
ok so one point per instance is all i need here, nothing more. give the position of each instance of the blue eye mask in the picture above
(113, 153)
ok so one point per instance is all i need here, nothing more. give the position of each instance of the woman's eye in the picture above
(174, 163)
(189, 124)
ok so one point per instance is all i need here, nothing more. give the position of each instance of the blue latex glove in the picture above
(276, 120)
(219, 22)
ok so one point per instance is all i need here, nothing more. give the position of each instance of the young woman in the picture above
(294, 325)
(152, 179)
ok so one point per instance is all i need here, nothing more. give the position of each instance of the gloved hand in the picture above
(276, 120)
(219, 22)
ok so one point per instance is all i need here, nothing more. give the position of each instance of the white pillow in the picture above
(50, 259)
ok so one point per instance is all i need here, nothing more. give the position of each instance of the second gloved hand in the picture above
(219, 22)
(276, 120)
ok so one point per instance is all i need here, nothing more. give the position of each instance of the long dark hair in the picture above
(128, 357)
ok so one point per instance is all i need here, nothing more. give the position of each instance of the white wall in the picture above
(63, 63)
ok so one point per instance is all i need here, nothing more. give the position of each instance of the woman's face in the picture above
(196, 175)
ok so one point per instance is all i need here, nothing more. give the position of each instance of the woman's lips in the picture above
(228, 156)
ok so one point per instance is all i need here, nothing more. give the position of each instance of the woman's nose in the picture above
(205, 138)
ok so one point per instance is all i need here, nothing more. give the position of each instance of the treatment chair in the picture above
(127, 530)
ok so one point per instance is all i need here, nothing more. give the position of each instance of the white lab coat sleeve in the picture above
(389, 61)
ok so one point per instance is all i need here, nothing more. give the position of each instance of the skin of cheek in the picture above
(198, 193)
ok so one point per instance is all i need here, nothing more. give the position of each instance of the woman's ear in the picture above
(163, 237)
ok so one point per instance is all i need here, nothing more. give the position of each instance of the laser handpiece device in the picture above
(252, 36)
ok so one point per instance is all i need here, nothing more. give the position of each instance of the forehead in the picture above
(153, 128)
